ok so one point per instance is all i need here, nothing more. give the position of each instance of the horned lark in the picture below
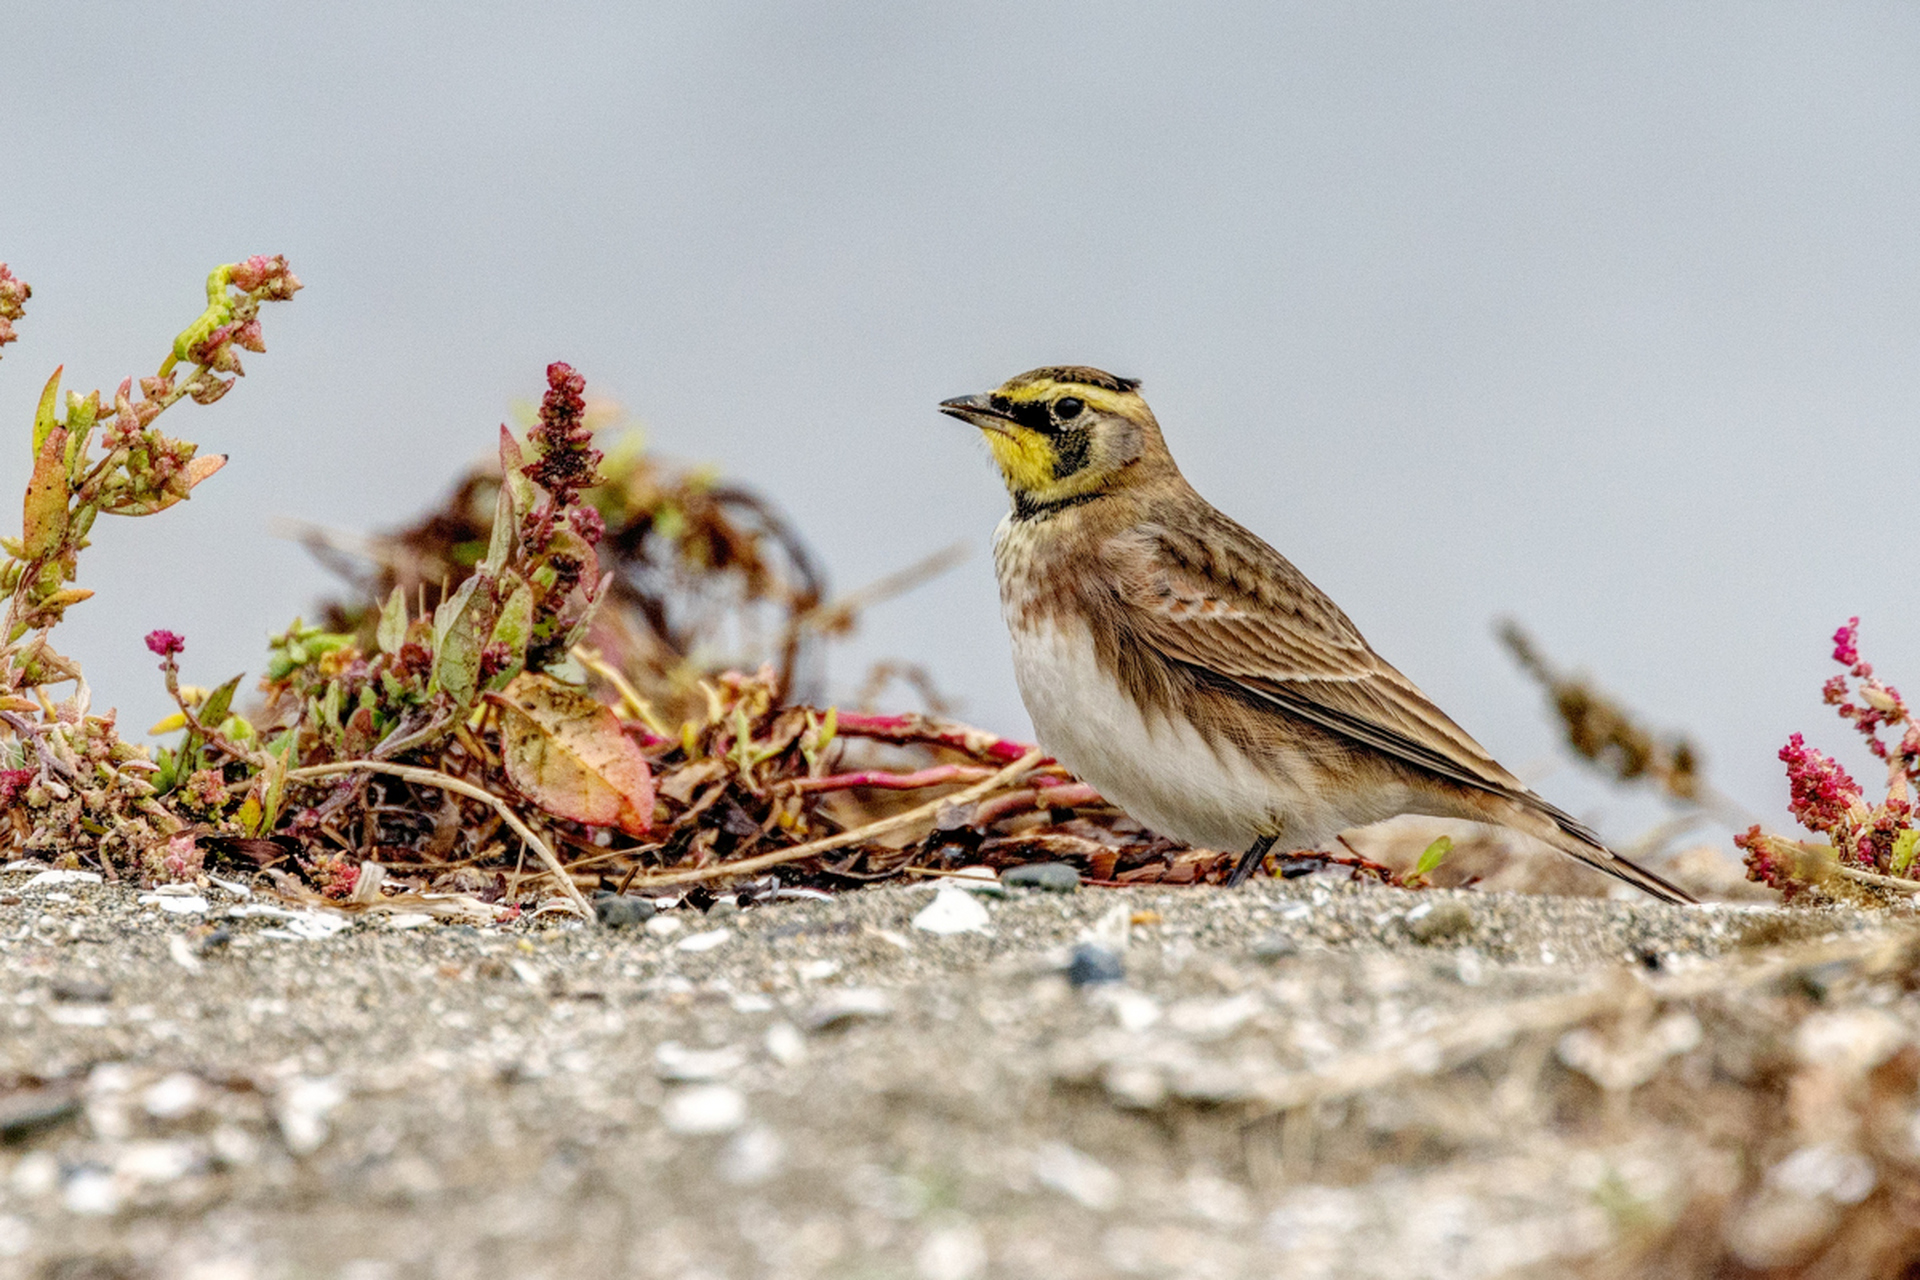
(1188, 671)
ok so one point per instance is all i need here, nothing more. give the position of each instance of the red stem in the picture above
(894, 781)
(944, 733)
(1068, 795)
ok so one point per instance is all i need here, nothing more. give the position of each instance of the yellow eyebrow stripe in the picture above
(1049, 389)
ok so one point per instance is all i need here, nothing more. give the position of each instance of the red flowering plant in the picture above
(1866, 842)
(68, 783)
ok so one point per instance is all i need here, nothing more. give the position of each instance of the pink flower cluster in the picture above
(165, 644)
(568, 461)
(1826, 800)
(1823, 796)
(267, 275)
(1879, 705)
(14, 293)
(13, 785)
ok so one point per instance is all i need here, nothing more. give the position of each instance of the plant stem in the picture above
(447, 782)
(747, 866)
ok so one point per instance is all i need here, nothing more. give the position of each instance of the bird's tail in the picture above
(1571, 837)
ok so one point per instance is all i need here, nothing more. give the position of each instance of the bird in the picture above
(1190, 672)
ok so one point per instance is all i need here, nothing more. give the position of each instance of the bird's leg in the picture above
(1250, 860)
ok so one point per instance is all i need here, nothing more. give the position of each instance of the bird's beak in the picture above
(978, 410)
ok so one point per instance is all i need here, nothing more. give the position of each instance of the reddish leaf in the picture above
(566, 751)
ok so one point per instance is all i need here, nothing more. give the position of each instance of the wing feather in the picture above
(1225, 602)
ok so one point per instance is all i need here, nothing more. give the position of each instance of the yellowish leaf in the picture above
(566, 751)
(45, 524)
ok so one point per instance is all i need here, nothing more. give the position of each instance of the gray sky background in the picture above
(1603, 316)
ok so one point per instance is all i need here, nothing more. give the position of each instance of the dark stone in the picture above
(26, 1113)
(81, 990)
(1092, 965)
(1447, 920)
(616, 912)
(1819, 981)
(1055, 877)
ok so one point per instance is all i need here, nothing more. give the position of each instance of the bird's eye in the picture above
(1068, 409)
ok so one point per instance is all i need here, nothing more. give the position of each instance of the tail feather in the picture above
(1572, 838)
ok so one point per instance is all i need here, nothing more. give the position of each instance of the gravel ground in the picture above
(1302, 1079)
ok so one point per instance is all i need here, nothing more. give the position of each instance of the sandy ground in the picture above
(1301, 1079)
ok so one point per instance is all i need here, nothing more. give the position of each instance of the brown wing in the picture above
(1218, 598)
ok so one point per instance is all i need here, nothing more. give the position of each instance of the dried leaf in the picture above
(566, 751)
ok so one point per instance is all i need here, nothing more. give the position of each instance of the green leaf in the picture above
(168, 773)
(392, 632)
(44, 418)
(1433, 856)
(512, 478)
(514, 628)
(275, 789)
(459, 628)
(81, 412)
(500, 542)
(214, 710)
(1903, 850)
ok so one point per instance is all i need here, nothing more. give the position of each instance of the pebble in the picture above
(785, 1045)
(91, 1192)
(1274, 947)
(675, 1062)
(953, 911)
(664, 926)
(1055, 877)
(1440, 921)
(1077, 1175)
(177, 904)
(704, 941)
(704, 1109)
(302, 1112)
(849, 1005)
(174, 1097)
(954, 1252)
(753, 1156)
(1093, 964)
(48, 879)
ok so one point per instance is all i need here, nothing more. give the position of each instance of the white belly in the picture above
(1159, 769)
